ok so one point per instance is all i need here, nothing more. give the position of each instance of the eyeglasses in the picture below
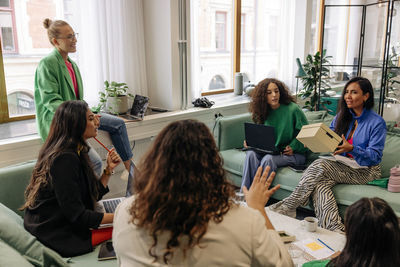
(70, 37)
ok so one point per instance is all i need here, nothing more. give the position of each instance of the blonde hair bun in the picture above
(46, 23)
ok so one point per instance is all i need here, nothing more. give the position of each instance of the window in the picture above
(217, 82)
(262, 59)
(99, 44)
(20, 56)
(7, 26)
(220, 30)
(212, 37)
(257, 37)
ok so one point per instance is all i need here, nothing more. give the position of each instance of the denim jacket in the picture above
(368, 138)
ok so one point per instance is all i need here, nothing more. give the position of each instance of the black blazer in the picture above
(64, 211)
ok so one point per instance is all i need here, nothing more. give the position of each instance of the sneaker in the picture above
(283, 209)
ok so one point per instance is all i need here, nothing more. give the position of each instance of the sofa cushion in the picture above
(4, 211)
(13, 180)
(13, 234)
(229, 132)
(390, 153)
(11, 257)
(348, 194)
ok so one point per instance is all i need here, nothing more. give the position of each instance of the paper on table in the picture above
(345, 160)
(314, 248)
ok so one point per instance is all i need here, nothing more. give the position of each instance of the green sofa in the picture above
(17, 246)
(229, 135)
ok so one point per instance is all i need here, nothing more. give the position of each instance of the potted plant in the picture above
(114, 99)
(314, 71)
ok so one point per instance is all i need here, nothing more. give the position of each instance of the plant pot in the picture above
(117, 105)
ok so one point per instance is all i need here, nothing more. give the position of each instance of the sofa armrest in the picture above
(229, 131)
(13, 181)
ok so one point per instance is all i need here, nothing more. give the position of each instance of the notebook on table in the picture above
(260, 138)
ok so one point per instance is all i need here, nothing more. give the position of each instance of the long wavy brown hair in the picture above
(66, 134)
(259, 106)
(181, 186)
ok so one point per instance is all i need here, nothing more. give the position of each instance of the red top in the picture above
(350, 142)
(73, 78)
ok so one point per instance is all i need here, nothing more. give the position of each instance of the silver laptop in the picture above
(109, 205)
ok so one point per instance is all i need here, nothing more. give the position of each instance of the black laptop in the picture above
(260, 138)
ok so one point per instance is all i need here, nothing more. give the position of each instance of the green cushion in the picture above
(11, 215)
(348, 194)
(315, 115)
(14, 234)
(13, 181)
(390, 156)
(229, 131)
(11, 257)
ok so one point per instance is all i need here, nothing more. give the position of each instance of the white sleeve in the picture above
(268, 248)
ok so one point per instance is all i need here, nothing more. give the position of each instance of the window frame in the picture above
(11, 10)
(4, 114)
(237, 7)
(218, 23)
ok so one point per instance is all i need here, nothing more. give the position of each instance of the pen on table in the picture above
(101, 144)
(325, 244)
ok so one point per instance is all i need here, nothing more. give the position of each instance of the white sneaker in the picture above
(125, 175)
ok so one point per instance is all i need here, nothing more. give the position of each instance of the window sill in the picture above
(23, 148)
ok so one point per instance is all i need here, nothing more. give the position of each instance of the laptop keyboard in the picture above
(111, 205)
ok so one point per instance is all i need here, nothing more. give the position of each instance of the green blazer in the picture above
(53, 85)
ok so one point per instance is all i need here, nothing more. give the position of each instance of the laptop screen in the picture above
(260, 136)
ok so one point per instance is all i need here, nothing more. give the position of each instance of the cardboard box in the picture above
(319, 138)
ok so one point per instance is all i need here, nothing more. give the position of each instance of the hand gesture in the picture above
(259, 193)
(288, 151)
(113, 159)
(344, 147)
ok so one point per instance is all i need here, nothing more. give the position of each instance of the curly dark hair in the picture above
(181, 186)
(259, 106)
(344, 116)
(373, 235)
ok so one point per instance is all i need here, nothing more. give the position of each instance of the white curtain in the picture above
(286, 55)
(111, 45)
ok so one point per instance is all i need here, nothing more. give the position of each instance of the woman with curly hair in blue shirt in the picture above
(363, 132)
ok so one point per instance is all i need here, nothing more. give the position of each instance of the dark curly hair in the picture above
(259, 106)
(373, 235)
(181, 186)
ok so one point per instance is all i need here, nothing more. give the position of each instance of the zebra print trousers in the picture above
(317, 182)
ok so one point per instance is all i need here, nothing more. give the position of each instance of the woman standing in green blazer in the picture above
(58, 79)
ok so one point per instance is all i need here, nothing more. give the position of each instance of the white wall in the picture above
(161, 35)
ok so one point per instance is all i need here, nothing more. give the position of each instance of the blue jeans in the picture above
(254, 160)
(118, 134)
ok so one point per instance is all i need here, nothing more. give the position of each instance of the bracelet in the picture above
(107, 172)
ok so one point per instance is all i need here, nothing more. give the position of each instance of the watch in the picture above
(107, 172)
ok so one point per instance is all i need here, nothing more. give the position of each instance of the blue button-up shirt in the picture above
(368, 138)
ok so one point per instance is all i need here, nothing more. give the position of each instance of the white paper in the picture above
(345, 160)
(314, 248)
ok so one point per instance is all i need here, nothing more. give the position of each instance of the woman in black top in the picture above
(60, 198)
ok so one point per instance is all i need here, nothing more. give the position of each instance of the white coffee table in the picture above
(294, 227)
